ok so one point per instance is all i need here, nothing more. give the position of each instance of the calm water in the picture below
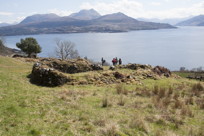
(171, 48)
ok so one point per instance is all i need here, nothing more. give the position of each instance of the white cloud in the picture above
(6, 13)
(126, 6)
(155, 3)
(136, 9)
(60, 12)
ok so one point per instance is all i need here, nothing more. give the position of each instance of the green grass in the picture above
(30, 110)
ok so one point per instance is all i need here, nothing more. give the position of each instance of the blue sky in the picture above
(16, 10)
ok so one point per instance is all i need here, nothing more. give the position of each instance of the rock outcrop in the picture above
(72, 66)
(45, 76)
(137, 66)
(162, 71)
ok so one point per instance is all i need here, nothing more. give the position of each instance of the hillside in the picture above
(39, 18)
(5, 51)
(195, 21)
(92, 22)
(166, 106)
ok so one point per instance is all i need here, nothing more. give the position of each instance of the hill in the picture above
(39, 18)
(195, 21)
(4, 24)
(46, 24)
(5, 51)
(86, 14)
(171, 21)
(166, 106)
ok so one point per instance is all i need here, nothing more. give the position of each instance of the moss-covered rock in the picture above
(45, 76)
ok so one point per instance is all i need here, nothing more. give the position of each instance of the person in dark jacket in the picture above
(120, 61)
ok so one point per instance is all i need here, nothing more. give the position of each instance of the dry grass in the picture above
(120, 89)
(186, 111)
(110, 130)
(139, 123)
(167, 109)
(121, 101)
(105, 102)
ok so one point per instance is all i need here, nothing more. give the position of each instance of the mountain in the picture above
(86, 14)
(195, 21)
(44, 24)
(4, 24)
(39, 18)
(171, 21)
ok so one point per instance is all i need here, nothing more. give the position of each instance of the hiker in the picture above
(103, 61)
(120, 61)
(114, 61)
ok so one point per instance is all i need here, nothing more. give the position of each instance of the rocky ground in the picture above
(55, 72)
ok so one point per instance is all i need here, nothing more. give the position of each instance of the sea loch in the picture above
(172, 48)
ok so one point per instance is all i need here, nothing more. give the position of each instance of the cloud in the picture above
(60, 12)
(6, 14)
(194, 10)
(126, 6)
(137, 10)
(155, 3)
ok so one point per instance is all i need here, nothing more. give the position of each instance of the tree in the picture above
(29, 45)
(182, 69)
(65, 50)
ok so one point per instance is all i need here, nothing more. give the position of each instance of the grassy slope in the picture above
(27, 109)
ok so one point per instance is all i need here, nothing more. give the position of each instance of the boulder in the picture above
(112, 68)
(96, 67)
(45, 76)
(162, 71)
(118, 75)
(137, 66)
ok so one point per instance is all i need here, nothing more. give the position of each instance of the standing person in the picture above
(102, 61)
(116, 60)
(120, 61)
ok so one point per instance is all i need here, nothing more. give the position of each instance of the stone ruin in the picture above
(54, 72)
(51, 72)
(45, 76)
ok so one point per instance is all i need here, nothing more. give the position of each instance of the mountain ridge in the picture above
(194, 21)
(86, 14)
(50, 23)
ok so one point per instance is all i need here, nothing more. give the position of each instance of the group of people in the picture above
(115, 61)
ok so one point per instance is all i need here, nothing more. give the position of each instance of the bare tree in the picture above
(65, 50)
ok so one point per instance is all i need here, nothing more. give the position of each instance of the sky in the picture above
(16, 10)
